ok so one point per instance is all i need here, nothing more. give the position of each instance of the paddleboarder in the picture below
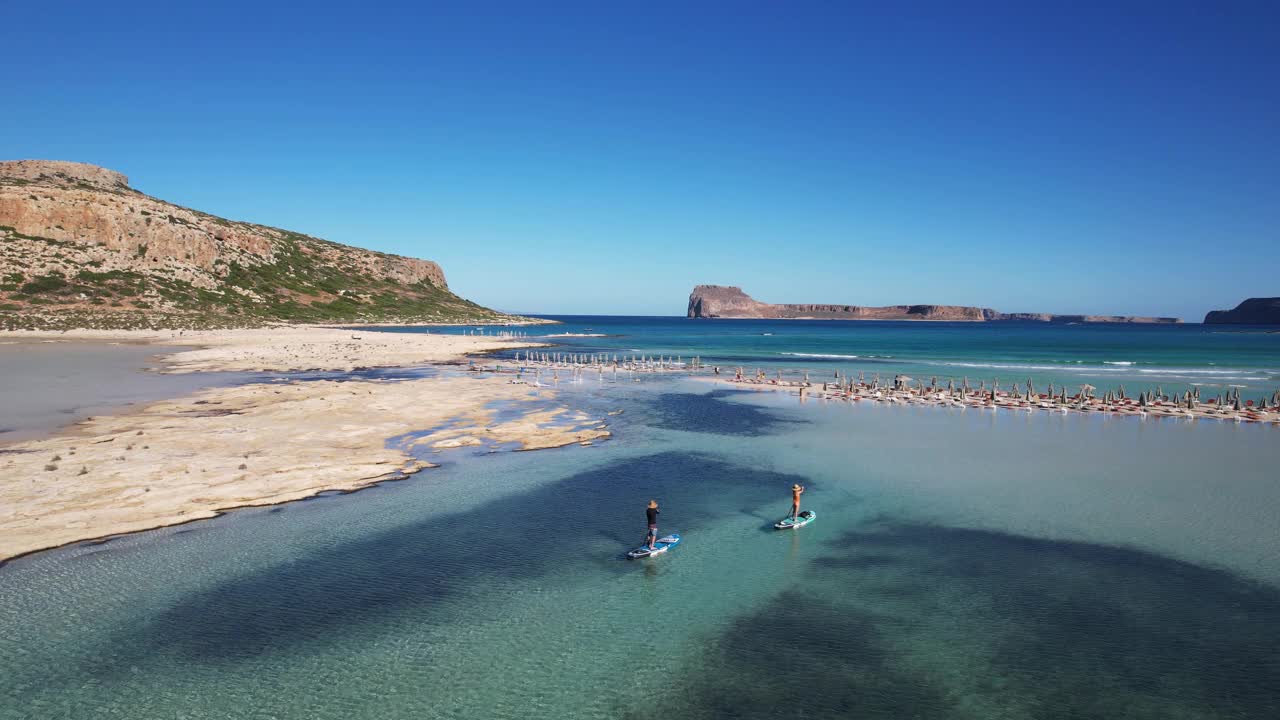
(796, 491)
(651, 514)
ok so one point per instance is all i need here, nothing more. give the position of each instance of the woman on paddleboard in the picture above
(651, 514)
(796, 491)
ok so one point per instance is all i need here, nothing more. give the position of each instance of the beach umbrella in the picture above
(965, 385)
(1142, 399)
(1195, 393)
(1085, 389)
(1121, 393)
(1160, 392)
(861, 377)
(982, 387)
(1237, 405)
(1050, 389)
(951, 385)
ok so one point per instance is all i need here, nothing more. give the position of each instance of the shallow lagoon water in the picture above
(965, 564)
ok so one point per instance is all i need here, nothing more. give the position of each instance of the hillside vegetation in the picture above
(80, 248)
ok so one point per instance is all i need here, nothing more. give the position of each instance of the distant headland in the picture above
(721, 301)
(1254, 311)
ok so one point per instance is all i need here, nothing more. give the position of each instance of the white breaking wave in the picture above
(1197, 371)
(1116, 362)
(821, 355)
(1018, 366)
(577, 335)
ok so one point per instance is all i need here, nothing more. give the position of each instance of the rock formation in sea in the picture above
(1254, 311)
(721, 301)
(80, 248)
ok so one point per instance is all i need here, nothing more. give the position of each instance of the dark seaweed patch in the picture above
(712, 413)
(1072, 630)
(803, 657)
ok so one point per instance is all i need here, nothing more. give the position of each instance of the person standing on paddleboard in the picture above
(651, 514)
(796, 491)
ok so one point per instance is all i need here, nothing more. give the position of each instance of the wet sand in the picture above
(49, 385)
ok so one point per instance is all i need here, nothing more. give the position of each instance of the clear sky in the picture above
(1108, 158)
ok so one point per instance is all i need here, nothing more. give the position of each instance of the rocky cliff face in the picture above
(719, 301)
(1254, 311)
(78, 245)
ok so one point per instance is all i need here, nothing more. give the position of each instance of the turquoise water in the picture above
(1140, 357)
(964, 564)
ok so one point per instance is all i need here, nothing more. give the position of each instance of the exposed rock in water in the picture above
(1254, 311)
(720, 301)
(80, 248)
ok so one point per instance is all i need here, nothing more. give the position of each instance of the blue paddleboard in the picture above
(786, 523)
(663, 544)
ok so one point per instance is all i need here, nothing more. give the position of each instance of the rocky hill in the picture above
(80, 248)
(720, 301)
(1254, 311)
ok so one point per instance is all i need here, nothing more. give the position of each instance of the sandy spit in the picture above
(288, 348)
(194, 457)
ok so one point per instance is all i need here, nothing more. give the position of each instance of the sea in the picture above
(963, 563)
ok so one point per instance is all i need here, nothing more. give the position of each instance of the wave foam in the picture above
(821, 355)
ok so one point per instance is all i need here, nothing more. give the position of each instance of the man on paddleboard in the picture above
(796, 490)
(651, 514)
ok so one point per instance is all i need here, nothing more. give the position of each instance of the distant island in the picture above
(80, 248)
(1254, 311)
(721, 301)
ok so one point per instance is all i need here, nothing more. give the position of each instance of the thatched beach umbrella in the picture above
(1085, 389)
(1142, 400)
(1050, 389)
(1237, 403)
(951, 385)
(965, 386)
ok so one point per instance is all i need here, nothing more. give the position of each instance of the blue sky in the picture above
(1114, 158)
